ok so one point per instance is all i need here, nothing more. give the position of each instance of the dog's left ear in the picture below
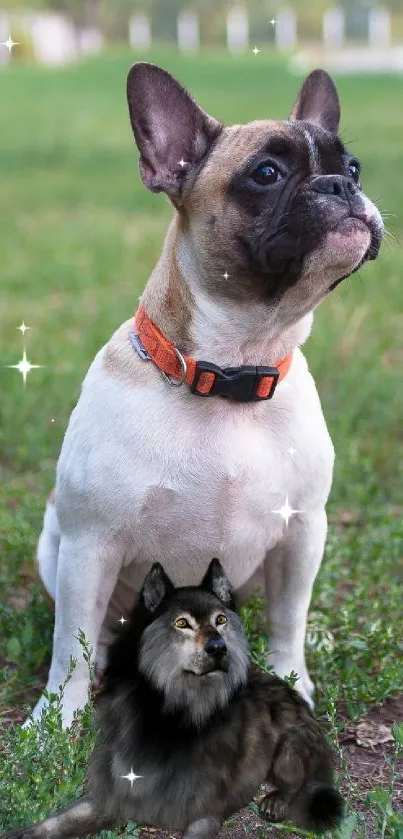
(318, 102)
(169, 128)
(156, 587)
(216, 581)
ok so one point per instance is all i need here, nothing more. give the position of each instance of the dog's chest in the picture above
(186, 478)
(215, 492)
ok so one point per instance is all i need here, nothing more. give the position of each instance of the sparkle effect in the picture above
(131, 776)
(226, 275)
(23, 328)
(9, 43)
(24, 366)
(256, 51)
(286, 511)
(182, 162)
(292, 451)
(273, 21)
(122, 620)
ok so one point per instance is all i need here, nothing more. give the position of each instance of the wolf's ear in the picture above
(168, 126)
(156, 587)
(216, 581)
(318, 101)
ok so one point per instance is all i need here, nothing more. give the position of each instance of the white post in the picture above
(140, 31)
(54, 39)
(5, 31)
(286, 29)
(334, 28)
(237, 30)
(188, 31)
(90, 40)
(379, 34)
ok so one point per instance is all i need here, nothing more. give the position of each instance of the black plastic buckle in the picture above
(238, 383)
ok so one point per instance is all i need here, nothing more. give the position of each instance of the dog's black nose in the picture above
(216, 646)
(335, 185)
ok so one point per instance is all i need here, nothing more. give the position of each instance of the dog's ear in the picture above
(168, 127)
(156, 587)
(216, 581)
(318, 101)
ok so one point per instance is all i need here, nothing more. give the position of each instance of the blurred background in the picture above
(58, 31)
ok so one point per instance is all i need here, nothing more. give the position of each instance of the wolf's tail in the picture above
(318, 807)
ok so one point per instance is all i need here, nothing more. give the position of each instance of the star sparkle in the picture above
(292, 451)
(23, 328)
(9, 43)
(182, 162)
(256, 50)
(273, 21)
(131, 776)
(286, 511)
(24, 367)
(122, 620)
(226, 275)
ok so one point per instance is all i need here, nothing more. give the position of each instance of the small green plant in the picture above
(381, 800)
(42, 766)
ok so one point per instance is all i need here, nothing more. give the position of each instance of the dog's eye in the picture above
(182, 623)
(221, 619)
(354, 170)
(266, 173)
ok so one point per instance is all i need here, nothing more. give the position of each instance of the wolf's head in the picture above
(193, 647)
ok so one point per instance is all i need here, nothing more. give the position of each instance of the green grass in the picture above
(78, 239)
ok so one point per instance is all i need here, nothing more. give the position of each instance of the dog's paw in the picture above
(30, 832)
(273, 808)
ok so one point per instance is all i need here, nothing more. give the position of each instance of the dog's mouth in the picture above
(355, 226)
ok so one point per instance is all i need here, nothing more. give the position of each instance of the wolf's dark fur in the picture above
(182, 707)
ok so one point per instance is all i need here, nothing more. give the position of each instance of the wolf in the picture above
(190, 728)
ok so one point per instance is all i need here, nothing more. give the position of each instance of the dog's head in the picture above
(193, 648)
(269, 207)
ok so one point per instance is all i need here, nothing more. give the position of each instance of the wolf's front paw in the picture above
(273, 807)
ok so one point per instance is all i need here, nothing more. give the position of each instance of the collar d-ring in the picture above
(184, 370)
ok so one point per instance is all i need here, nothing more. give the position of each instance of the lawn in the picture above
(78, 239)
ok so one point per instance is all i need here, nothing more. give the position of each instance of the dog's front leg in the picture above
(290, 571)
(88, 568)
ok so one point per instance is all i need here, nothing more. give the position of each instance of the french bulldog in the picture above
(199, 431)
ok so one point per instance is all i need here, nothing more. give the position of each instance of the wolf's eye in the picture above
(221, 619)
(354, 170)
(182, 623)
(266, 173)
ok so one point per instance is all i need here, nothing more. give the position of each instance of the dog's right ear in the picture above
(156, 587)
(168, 126)
(216, 581)
(318, 101)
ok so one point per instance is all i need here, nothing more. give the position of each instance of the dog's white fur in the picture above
(151, 472)
(148, 473)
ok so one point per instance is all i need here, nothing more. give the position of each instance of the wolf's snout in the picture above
(337, 185)
(216, 646)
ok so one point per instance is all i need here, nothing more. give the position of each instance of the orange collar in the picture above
(243, 384)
